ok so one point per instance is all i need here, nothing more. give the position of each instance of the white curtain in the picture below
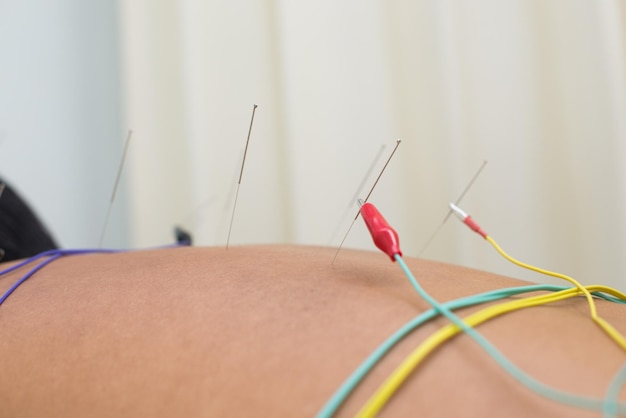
(536, 88)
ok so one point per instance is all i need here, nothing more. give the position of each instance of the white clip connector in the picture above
(458, 212)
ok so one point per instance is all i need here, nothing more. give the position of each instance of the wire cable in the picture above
(602, 323)
(611, 403)
(55, 255)
(606, 326)
(380, 398)
(343, 392)
(386, 239)
(27, 276)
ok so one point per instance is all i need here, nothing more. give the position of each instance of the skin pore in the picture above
(273, 331)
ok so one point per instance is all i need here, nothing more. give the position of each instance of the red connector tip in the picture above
(475, 227)
(384, 236)
(467, 220)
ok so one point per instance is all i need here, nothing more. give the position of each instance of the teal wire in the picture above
(613, 299)
(347, 387)
(532, 384)
(610, 404)
(341, 394)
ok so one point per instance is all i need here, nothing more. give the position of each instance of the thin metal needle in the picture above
(243, 162)
(115, 186)
(470, 184)
(445, 219)
(379, 175)
(357, 192)
(365, 201)
(369, 172)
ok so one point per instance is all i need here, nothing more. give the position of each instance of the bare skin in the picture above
(273, 331)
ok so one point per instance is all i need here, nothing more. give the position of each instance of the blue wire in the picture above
(27, 276)
(27, 261)
(55, 255)
(610, 404)
(532, 384)
(80, 251)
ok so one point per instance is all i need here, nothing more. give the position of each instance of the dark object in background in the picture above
(182, 237)
(22, 234)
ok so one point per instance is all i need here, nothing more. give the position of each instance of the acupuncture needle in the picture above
(115, 186)
(366, 198)
(243, 163)
(445, 219)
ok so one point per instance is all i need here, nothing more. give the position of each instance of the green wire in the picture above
(611, 404)
(337, 399)
(341, 394)
(532, 384)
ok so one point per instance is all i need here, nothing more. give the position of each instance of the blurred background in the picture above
(537, 88)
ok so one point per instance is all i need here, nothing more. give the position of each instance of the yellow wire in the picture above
(391, 385)
(608, 328)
